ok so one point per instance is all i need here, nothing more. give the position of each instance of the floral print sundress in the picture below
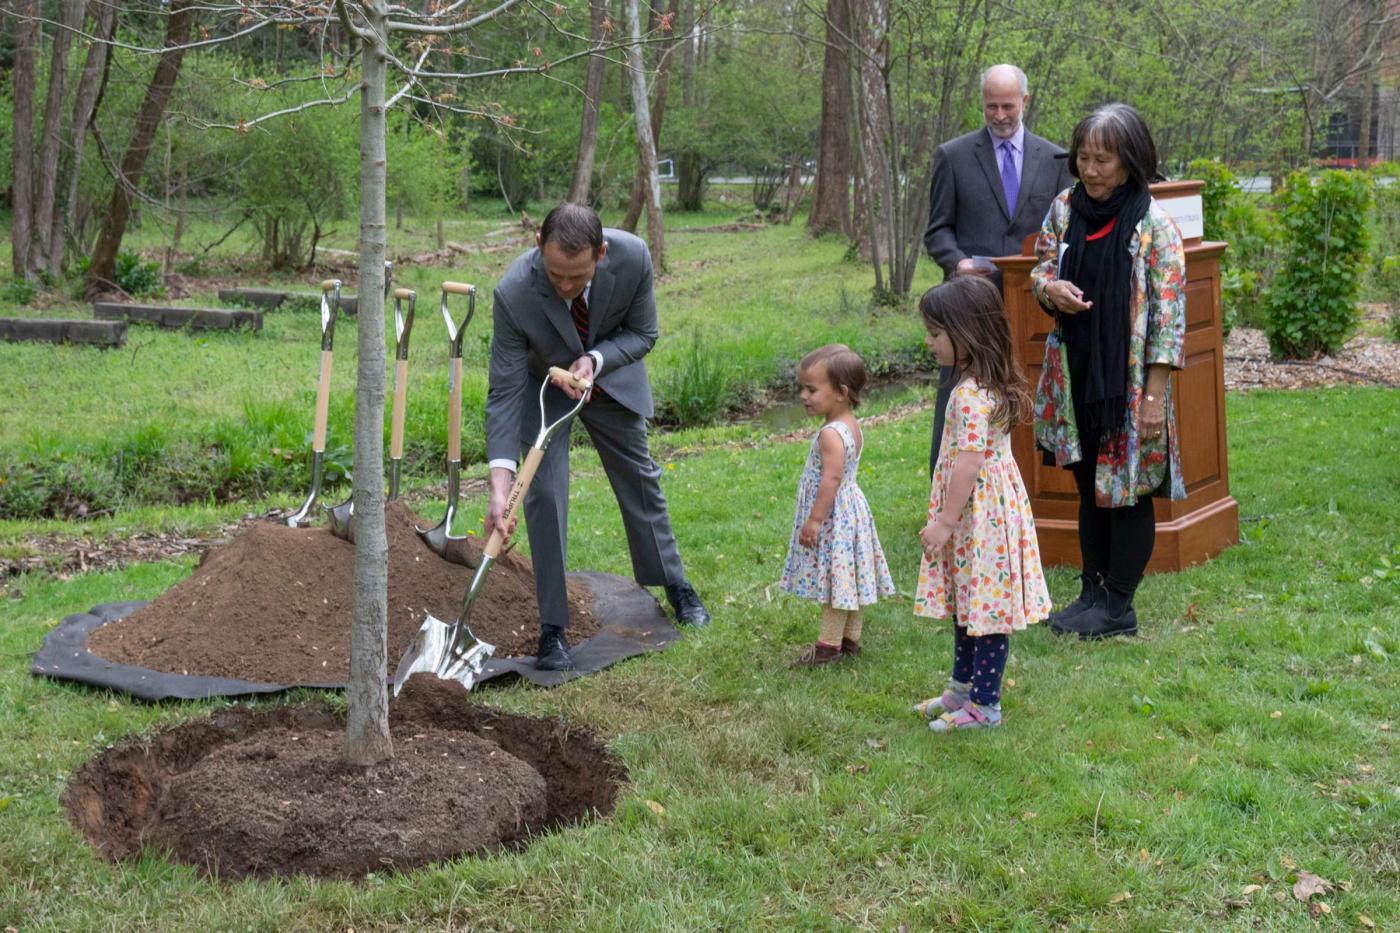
(988, 576)
(847, 568)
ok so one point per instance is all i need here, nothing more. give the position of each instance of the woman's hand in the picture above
(1067, 297)
(934, 536)
(807, 535)
(1152, 417)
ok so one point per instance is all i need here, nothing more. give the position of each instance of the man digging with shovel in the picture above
(581, 300)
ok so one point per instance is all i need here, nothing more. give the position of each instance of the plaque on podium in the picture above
(1207, 520)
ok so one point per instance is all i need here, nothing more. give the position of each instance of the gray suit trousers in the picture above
(620, 437)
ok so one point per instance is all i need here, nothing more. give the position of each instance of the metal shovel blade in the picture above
(431, 651)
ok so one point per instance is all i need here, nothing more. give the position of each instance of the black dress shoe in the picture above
(553, 654)
(686, 605)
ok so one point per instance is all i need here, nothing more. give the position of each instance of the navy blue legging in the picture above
(980, 660)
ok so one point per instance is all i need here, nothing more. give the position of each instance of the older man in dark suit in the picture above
(581, 300)
(991, 188)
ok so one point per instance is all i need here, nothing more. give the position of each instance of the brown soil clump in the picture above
(264, 793)
(274, 605)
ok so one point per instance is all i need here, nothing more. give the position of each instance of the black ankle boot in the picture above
(553, 653)
(1111, 615)
(1091, 593)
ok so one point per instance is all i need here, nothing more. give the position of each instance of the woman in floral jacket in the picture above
(1112, 273)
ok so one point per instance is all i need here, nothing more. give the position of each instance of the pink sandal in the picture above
(971, 716)
(934, 707)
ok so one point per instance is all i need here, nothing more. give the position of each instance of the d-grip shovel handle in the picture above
(323, 383)
(526, 473)
(454, 413)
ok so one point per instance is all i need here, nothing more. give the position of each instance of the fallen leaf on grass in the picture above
(861, 768)
(1318, 908)
(1309, 884)
(1120, 897)
(1249, 889)
(1276, 714)
(1366, 921)
(656, 808)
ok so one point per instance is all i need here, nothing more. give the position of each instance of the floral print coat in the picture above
(1129, 465)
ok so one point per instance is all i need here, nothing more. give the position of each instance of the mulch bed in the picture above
(267, 793)
(275, 604)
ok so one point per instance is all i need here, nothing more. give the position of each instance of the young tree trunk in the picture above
(22, 174)
(1363, 137)
(831, 202)
(367, 738)
(646, 146)
(579, 188)
(71, 17)
(90, 87)
(658, 113)
(102, 270)
(690, 170)
(870, 19)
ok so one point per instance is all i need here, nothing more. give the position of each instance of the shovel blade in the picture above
(432, 650)
(342, 519)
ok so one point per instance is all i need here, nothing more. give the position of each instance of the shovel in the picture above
(438, 537)
(452, 652)
(323, 399)
(342, 516)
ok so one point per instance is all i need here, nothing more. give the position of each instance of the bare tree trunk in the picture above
(831, 202)
(89, 91)
(367, 739)
(658, 114)
(1363, 138)
(104, 255)
(22, 175)
(870, 19)
(71, 17)
(646, 145)
(580, 187)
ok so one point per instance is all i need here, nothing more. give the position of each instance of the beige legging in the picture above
(838, 624)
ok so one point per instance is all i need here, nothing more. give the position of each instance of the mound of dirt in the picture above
(274, 604)
(264, 793)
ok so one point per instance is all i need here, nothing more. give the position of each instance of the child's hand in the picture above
(934, 536)
(807, 536)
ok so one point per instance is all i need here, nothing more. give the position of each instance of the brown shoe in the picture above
(850, 649)
(817, 654)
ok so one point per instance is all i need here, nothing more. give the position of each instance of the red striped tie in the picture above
(579, 309)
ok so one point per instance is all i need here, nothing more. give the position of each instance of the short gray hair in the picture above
(1020, 77)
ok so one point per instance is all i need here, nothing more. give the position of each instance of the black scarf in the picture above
(1105, 397)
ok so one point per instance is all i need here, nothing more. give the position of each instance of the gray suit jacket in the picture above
(967, 206)
(533, 330)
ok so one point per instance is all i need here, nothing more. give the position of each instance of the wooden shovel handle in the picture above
(329, 285)
(581, 384)
(458, 288)
(403, 294)
(454, 412)
(323, 403)
(400, 400)
(523, 478)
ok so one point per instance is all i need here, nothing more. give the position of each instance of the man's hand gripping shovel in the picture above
(452, 652)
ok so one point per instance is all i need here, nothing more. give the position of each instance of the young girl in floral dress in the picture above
(981, 563)
(834, 557)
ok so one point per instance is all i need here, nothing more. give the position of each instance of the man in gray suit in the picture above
(991, 188)
(581, 300)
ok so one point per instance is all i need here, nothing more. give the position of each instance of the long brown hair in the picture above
(968, 309)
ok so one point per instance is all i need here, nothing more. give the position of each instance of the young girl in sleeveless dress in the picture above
(981, 563)
(834, 557)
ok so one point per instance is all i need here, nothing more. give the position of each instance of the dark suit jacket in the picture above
(967, 206)
(533, 330)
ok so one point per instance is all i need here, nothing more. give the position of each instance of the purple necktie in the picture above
(1010, 181)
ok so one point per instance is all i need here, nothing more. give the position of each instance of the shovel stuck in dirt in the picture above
(452, 652)
(342, 516)
(438, 537)
(329, 306)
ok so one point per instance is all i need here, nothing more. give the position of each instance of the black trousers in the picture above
(1116, 544)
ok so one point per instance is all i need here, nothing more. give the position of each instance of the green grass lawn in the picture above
(1249, 734)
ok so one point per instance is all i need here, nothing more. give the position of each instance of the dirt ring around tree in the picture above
(265, 792)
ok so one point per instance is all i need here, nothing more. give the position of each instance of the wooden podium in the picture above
(1207, 520)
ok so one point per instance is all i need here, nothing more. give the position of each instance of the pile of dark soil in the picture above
(274, 605)
(264, 793)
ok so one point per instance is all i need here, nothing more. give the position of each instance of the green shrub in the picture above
(1383, 279)
(1250, 229)
(136, 277)
(1312, 302)
(695, 392)
(18, 292)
